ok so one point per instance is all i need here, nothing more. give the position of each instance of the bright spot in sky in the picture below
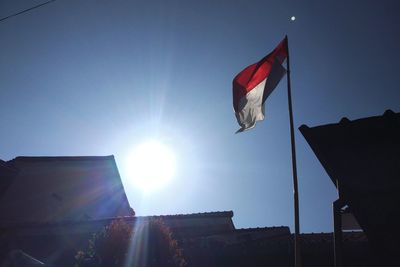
(151, 166)
(293, 18)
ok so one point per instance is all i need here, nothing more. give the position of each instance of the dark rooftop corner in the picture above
(60, 158)
(56, 188)
(362, 159)
(343, 121)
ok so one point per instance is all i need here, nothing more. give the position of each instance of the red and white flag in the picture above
(254, 84)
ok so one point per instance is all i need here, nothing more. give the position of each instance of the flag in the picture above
(254, 84)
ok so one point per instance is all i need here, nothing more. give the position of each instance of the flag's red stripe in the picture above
(252, 75)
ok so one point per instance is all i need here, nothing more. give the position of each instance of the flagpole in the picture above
(297, 253)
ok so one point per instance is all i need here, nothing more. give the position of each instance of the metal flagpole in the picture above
(294, 167)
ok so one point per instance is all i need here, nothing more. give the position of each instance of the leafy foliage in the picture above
(143, 244)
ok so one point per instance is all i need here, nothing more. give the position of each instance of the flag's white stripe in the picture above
(251, 108)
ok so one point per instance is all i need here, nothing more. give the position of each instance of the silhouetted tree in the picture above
(143, 244)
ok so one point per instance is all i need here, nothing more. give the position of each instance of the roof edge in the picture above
(62, 158)
(128, 218)
(256, 229)
(344, 120)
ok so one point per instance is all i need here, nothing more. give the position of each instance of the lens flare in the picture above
(151, 165)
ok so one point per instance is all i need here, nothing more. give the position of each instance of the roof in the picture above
(263, 229)
(61, 158)
(228, 214)
(213, 214)
(347, 146)
(63, 188)
(195, 224)
(362, 158)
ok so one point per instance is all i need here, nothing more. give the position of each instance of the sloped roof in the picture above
(348, 148)
(363, 156)
(227, 213)
(63, 188)
(106, 220)
(182, 224)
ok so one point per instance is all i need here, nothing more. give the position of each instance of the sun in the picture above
(151, 165)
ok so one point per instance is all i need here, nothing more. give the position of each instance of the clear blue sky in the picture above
(99, 77)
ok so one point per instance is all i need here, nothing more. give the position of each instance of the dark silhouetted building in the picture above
(51, 189)
(362, 158)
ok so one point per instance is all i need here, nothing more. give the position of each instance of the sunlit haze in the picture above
(151, 165)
